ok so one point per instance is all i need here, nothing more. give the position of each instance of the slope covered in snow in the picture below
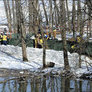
(11, 58)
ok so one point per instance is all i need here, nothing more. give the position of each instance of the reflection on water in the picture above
(45, 84)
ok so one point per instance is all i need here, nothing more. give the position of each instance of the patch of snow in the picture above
(11, 58)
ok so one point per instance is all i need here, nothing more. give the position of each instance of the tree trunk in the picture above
(35, 16)
(14, 15)
(8, 14)
(24, 54)
(89, 20)
(63, 33)
(81, 23)
(44, 53)
(68, 16)
(78, 16)
(17, 17)
(22, 30)
(73, 18)
(44, 40)
(57, 11)
(30, 15)
(45, 12)
(50, 17)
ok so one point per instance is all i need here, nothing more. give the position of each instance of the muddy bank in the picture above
(25, 73)
(12, 72)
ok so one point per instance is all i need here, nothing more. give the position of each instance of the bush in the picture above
(54, 44)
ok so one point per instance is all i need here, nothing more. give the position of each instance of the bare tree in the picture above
(73, 18)
(63, 33)
(45, 12)
(14, 15)
(44, 40)
(68, 17)
(35, 16)
(50, 16)
(89, 20)
(8, 13)
(21, 28)
(80, 27)
(30, 15)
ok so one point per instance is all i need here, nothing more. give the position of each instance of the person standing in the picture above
(5, 39)
(40, 42)
(35, 41)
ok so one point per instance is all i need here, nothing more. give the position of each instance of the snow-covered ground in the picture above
(11, 58)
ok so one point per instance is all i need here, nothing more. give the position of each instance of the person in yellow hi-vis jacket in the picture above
(40, 42)
(5, 39)
(35, 41)
(78, 39)
(75, 46)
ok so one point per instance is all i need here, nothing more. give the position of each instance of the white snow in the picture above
(11, 58)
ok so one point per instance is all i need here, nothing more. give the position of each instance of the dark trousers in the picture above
(39, 46)
(1, 42)
(5, 42)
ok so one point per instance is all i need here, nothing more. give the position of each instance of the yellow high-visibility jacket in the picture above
(4, 38)
(73, 46)
(41, 41)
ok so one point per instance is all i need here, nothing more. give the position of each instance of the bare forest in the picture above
(27, 16)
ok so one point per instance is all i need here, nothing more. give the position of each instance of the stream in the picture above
(12, 81)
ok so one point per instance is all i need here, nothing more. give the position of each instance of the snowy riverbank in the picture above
(11, 58)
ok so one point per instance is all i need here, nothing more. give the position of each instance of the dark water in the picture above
(44, 84)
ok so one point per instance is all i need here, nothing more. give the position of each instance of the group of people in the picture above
(38, 41)
(3, 39)
(51, 34)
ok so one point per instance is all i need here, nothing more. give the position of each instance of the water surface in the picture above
(44, 84)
